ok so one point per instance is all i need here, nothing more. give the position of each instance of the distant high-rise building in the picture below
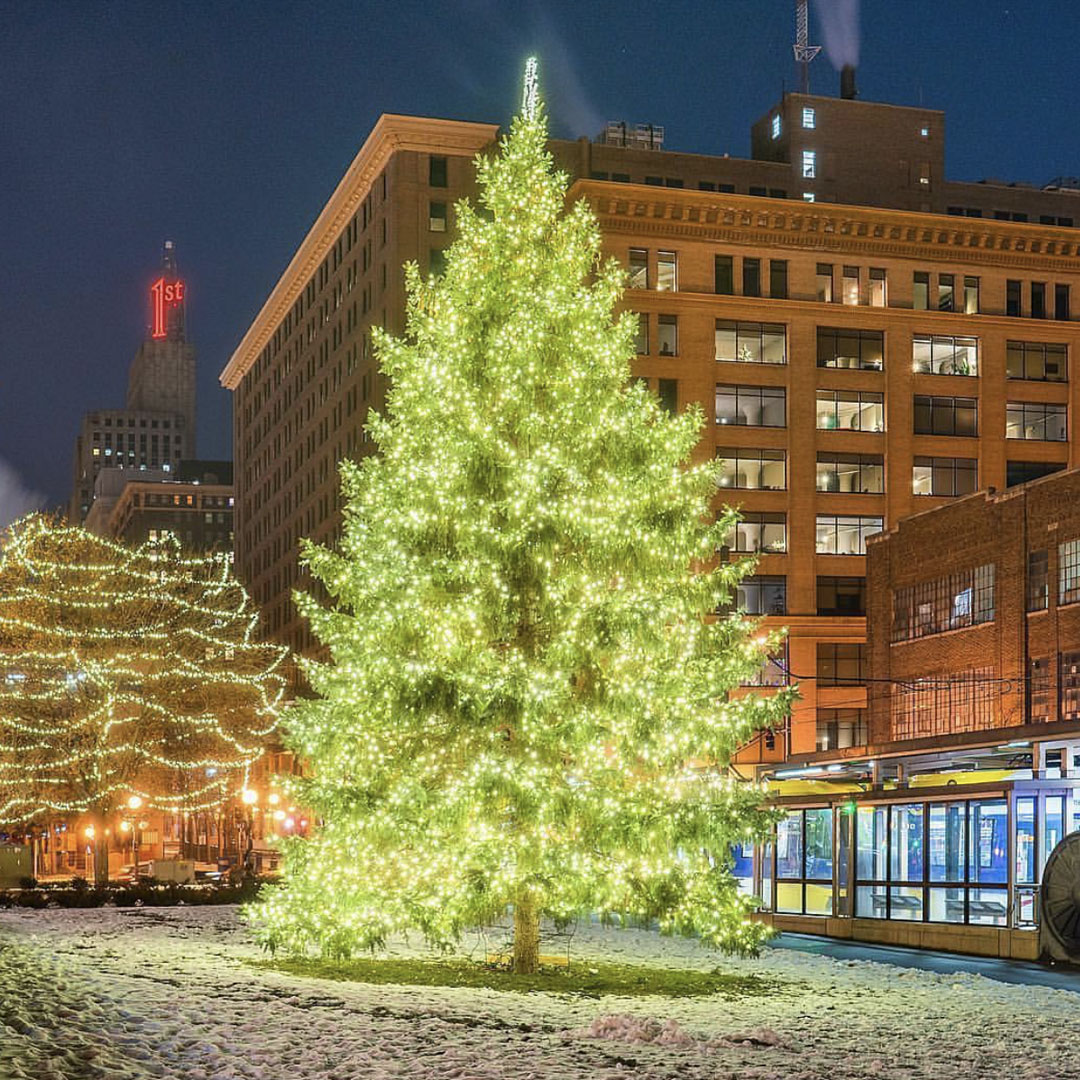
(157, 427)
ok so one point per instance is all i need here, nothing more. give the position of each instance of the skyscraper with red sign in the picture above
(156, 428)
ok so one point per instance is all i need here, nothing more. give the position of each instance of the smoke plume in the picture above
(839, 21)
(16, 499)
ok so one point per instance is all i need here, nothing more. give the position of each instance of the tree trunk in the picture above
(101, 852)
(526, 934)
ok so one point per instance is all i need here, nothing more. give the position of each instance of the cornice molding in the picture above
(392, 133)
(639, 210)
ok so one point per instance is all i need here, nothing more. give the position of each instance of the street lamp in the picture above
(91, 849)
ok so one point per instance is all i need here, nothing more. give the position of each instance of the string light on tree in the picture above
(130, 678)
(527, 701)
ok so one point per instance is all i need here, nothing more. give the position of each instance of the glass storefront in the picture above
(975, 860)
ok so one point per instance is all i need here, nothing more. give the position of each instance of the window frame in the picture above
(734, 455)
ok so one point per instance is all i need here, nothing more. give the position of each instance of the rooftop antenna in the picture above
(804, 53)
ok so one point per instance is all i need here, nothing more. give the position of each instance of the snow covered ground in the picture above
(131, 993)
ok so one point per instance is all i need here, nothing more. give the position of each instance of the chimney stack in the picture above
(847, 82)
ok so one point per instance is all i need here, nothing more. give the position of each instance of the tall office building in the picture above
(859, 330)
(156, 429)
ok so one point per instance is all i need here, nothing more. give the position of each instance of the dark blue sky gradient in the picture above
(225, 126)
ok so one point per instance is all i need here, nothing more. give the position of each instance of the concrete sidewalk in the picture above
(1059, 977)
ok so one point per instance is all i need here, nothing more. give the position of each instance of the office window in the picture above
(1012, 298)
(1038, 299)
(673, 181)
(776, 126)
(943, 476)
(1069, 680)
(946, 292)
(777, 193)
(1069, 572)
(641, 342)
(751, 277)
(809, 118)
(436, 171)
(774, 672)
(842, 664)
(809, 196)
(850, 410)
(1061, 302)
(965, 598)
(706, 185)
(836, 535)
(437, 217)
(862, 474)
(878, 294)
(666, 279)
(809, 164)
(758, 531)
(850, 294)
(667, 335)
(668, 392)
(920, 291)
(436, 261)
(750, 343)
(825, 282)
(1038, 690)
(841, 596)
(1020, 472)
(753, 406)
(724, 273)
(1038, 580)
(945, 416)
(751, 469)
(959, 701)
(941, 354)
(655, 181)
(971, 296)
(762, 595)
(1035, 420)
(639, 268)
(757, 189)
(778, 279)
(1035, 360)
(863, 349)
(839, 729)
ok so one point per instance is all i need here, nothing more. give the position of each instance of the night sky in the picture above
(225, 126)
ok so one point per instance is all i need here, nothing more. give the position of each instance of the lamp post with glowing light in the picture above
(129, 825)
(91, 848)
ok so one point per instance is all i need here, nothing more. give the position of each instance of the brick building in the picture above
(195, 504)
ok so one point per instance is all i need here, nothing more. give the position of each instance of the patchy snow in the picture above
(127, 994)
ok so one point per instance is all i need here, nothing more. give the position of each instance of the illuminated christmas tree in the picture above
(527, 703)
(125, 672)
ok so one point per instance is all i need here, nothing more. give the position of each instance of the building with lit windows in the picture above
(194, 503)
(156, 428)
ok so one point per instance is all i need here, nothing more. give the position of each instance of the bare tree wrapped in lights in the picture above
(527, 702)
(125, 672)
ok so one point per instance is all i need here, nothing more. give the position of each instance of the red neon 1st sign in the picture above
(164, 295)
